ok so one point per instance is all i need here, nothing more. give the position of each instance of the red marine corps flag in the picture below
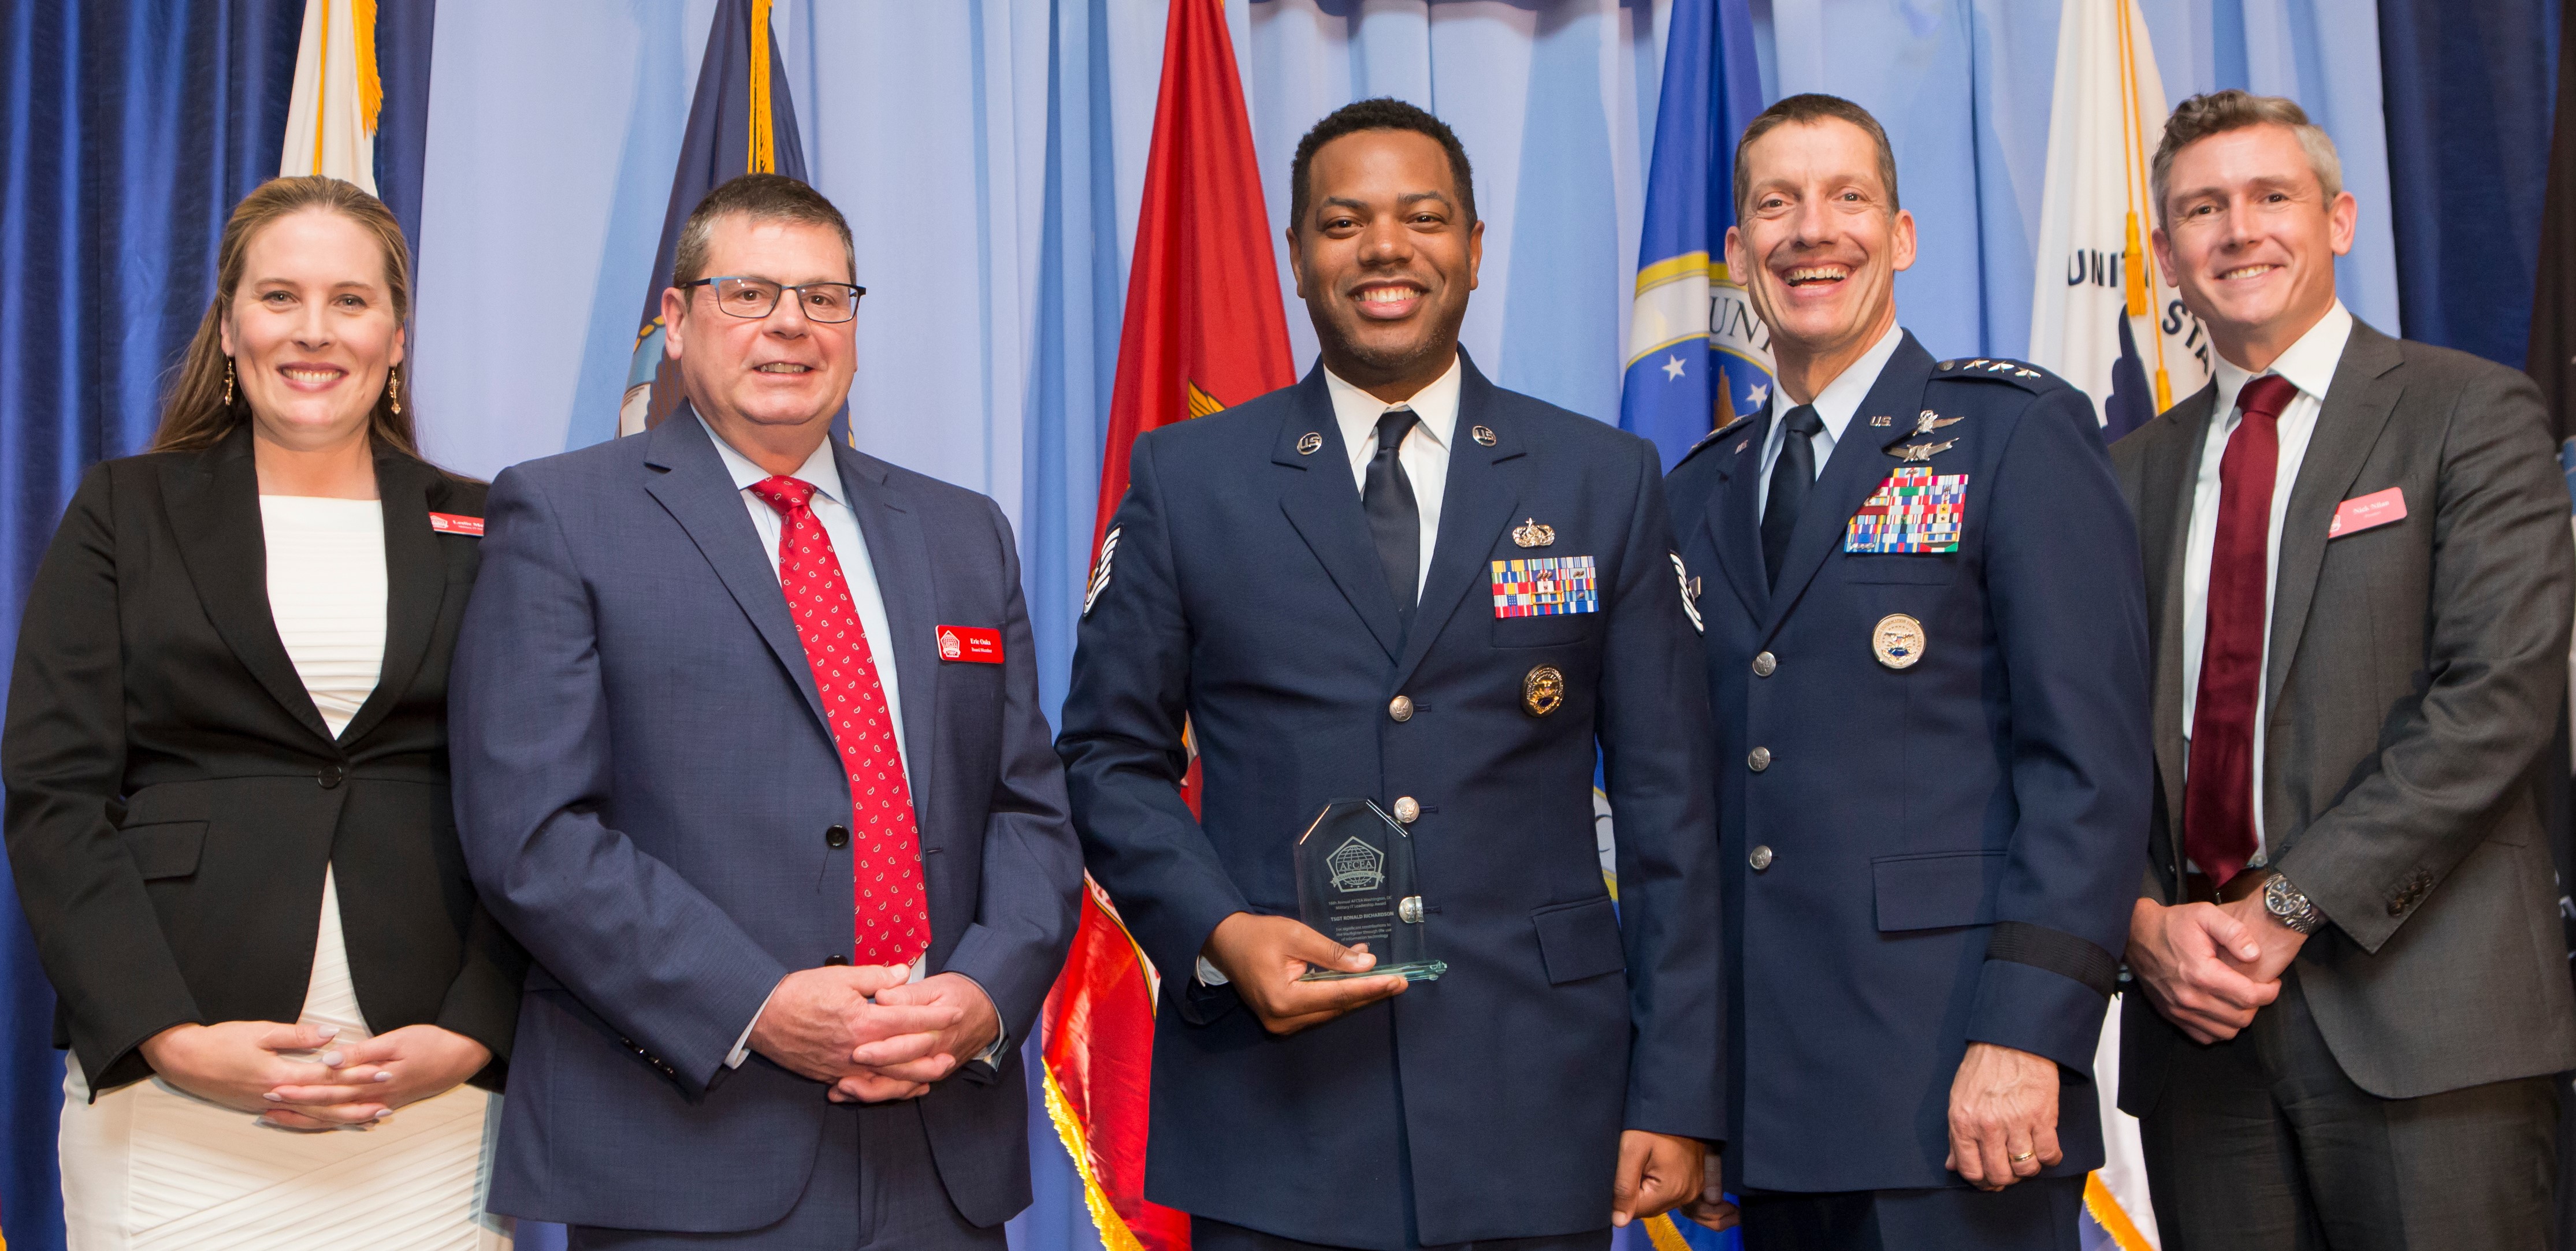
(1204, 329)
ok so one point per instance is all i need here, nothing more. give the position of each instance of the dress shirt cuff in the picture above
(1208, 974)
(742, 1046)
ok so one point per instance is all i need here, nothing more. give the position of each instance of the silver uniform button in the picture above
(1759, 858)
(1410, 911)
(1406, 810)
(1400, 708)
(1760, 759)
(1764, 664)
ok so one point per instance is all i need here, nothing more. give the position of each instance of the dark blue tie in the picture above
(1793, 476)
(1393, 519)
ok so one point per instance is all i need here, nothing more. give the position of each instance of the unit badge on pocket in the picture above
(1545, 586)
(1915, 510)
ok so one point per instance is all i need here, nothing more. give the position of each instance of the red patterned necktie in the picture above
(893, 921)
(2218, 779)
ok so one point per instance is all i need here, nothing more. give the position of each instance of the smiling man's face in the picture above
(1820, 241)
(782, 370)
(2250, 238)
(1385, 258)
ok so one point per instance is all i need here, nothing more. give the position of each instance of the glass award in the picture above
(1355, 885)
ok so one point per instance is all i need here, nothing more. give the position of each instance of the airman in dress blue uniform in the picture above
(1925, 629)
(1400, 582)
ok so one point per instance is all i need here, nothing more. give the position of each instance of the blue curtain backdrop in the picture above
(2471, 92)
(990, 155)
(130, 127)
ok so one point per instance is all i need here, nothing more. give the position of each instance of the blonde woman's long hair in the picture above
(195, 414)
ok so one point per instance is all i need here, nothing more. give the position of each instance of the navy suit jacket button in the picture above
(1759, 858)
(1406, 809)
(1764, 664)
(1400, 708)
(1759, 760)
(837, 837)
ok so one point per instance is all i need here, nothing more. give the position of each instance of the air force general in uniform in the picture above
(1926, 646)
(1441, 604)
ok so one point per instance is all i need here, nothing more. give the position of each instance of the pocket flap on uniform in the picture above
(1579, 940)
(1935, 891)
(165, 848)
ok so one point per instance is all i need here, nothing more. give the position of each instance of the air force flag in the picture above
(1697, 355)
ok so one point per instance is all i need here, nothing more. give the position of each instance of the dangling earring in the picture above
(228, 382)
(393, 383)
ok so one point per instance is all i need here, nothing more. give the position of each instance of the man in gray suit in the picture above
(2358, 564)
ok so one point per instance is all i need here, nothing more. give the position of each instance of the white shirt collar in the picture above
(1356, 411)
(818, 471)
(1842, 397)
(2309, 364)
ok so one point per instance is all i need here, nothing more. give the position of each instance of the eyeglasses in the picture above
(758, 297)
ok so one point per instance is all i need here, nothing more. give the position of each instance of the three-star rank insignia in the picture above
(1543, 690)
(1310, 444)
(1529, 533)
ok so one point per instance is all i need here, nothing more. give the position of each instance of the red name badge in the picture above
(451, 523)
(2362, 512)
(966, 643)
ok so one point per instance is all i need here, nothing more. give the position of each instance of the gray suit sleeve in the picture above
(2494, 677)
(528, 729)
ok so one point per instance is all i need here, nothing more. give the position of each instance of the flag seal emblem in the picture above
(1897, 640)
(1915, 510)
(1545, 586)
(1543, 690)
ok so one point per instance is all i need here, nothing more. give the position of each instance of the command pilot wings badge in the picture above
(1931, 421)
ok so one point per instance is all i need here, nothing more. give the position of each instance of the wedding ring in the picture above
(2023, 1156)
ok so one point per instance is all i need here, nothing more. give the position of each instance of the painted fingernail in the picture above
(327, 1031)
(383, 1076)
(273, 1097)
(331, 1059)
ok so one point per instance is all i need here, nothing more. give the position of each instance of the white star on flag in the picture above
(1673, 368)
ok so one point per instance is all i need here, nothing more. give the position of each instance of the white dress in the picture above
(150, 1167)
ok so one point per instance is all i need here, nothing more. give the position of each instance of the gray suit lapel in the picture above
(900, 555)
(2170, 475)
(2357, 406)
(701, 496)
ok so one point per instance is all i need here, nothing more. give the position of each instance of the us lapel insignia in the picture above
(1930, 421)
(1311, 444)
(1531, 534)
(1881, 420)
(1911, 452)
(1482, 434)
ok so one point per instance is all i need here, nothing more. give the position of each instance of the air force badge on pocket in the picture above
(1915, 510)
(1545, 586)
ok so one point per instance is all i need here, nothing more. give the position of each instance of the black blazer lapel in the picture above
(415, 583)
(2357, 406)
(693, 485)
(1324, 507)
(1475, 505)
(1858, 465)
(900, 555)
(2169, 477)
(213, 504)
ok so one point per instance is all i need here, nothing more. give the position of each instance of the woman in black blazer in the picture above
(230, 692)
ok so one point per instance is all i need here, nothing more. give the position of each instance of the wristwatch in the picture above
(2290, 906)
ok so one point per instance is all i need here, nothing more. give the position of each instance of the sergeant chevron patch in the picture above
(1100, 572)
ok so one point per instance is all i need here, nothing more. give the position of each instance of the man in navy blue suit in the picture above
(1399, 582)
(748, 754)
(1926, 642)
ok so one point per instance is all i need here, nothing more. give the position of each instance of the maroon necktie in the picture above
(2218, 780)
(892, 919)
